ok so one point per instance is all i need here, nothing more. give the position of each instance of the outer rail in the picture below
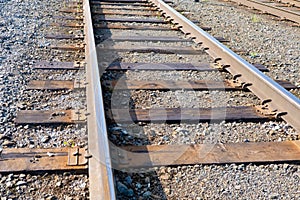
(295, 3)
(283, 13)
(260, 84)
(100, 170)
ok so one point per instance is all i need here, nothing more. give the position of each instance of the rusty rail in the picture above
(100, 170)
(274, 97)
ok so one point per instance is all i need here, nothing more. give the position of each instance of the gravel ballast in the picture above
(271, 43)
(268, 41)
(23, 25)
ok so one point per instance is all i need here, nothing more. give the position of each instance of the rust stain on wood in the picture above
(245, 113)
(132, 27)
(71, 11)
(160, 66)
(69, 25)
(170, 66)
(167, 85)
(29, 160)
(131, 20)
(177, 85)
(50, 117)
(69, 47)
(61, 37)
(59, 65)
(134, 13)
(143, 38)
(174, 155)
(149, 49)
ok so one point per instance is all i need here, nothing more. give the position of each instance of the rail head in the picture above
(100, 169)
(261, 85)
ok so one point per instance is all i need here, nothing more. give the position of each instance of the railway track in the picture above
(134, 66)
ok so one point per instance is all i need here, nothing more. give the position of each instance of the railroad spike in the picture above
(280, 114)
(264, 102)
(217, 59)
(220, 66)
(245, 85)
(236, 76)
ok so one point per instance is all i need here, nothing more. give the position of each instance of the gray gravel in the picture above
(187, 133)
(46, 186)
(23, 25)
(277, 48)
(176, 99)
(272, 43)
(274, 181)
(27, 31)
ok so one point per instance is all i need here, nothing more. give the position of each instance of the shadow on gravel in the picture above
(130, 183)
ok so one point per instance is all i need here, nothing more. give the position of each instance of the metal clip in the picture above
(78, 36)
(238, 84)
(177, 26)
(81, 46)
(79, 64)
(78, 17)
(221, 67)
(79, 84)
(265, 110)
(77, 157)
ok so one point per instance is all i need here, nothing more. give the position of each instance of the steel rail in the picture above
(101, 183)
(294, 3)
(260, 84)
(280, 12)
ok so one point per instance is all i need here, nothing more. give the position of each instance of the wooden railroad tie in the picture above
(121, 12)
(132, 20)
(50, 117)
(133, 27)
(142, 39)
(14, 160)
(69, 17)
(105, 6)
(136, 4)
(75, 159)
(76, 47)
(149, 49)
(55, 85)
(128, 2)
(129, 20)
(71, 11)
(130, 157)
(153, 39)
(239, 113)
(178, 85)
(118, 7)
(59, 65)
(61, 37)
(68, 25)
(170, 66)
